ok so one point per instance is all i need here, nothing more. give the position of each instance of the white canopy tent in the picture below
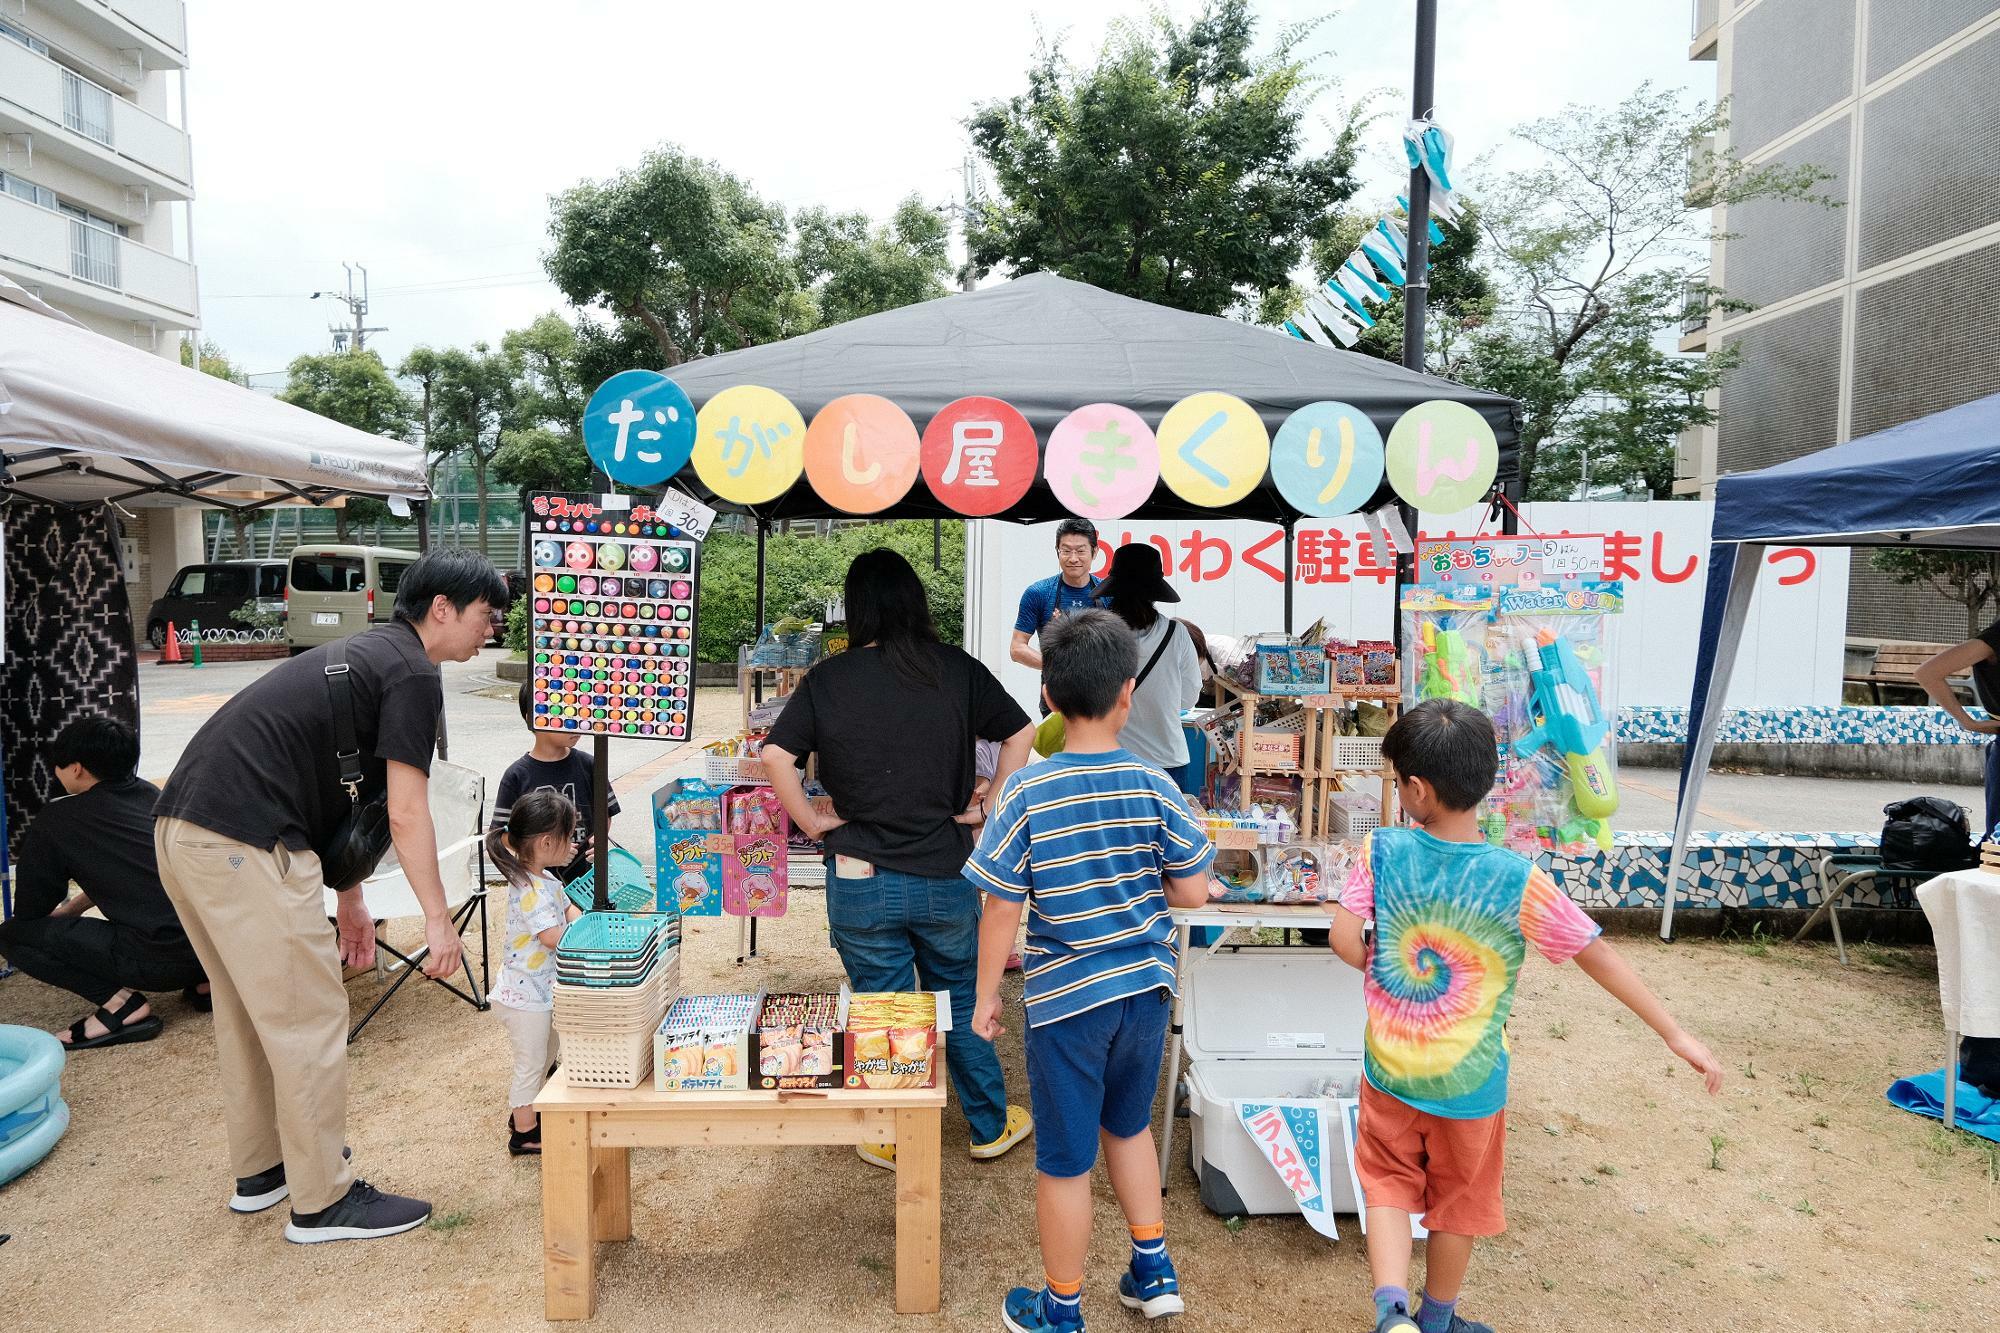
(86, 419)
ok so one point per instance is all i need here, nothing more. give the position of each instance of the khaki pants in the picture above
(533, 1034)
(257, 920)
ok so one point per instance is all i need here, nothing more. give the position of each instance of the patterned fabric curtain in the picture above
(70, 650)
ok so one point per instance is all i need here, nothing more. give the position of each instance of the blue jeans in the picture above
(895, 931)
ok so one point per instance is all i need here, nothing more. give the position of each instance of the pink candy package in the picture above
(756, 876)
(755, 812)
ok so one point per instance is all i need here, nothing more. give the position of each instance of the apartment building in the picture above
(1881, 310)
(96, 191)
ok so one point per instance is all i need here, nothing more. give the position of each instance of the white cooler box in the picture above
(1265, 1023)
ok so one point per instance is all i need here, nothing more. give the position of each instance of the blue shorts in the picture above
(1098, 1070)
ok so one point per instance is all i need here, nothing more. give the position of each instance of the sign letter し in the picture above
(979, 456)
(1102, 461)
(749, 444)
(861, 453)
(1442, 457)
(1213, 449)
(639, 428)
(1327, 459)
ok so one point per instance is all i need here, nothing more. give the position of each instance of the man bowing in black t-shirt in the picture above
(256, 796)
(1980, 656)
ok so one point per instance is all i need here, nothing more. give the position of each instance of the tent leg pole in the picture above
(1288, 580)
(423, 508)
(763, 534)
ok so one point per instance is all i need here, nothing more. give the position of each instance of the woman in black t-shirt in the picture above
(896, 721)
(1980, 656)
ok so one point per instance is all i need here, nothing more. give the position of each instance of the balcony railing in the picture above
(1706, 12)
(87, 108)
(1694, 304)
(93, 254)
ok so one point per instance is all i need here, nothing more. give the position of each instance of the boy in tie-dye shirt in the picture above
(1439, 922)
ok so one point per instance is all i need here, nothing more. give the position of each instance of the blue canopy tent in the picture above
(1930, 482)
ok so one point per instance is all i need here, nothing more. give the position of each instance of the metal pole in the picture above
(1288, 578)
(600, 789)
(423, 508)
(1416, 276)
(937, 544)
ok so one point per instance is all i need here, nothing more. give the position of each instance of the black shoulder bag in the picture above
(363, 836)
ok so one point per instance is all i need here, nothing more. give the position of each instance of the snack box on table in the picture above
(1265, 1023)
(703, 1043)
(797, 1042)
(891, 1038)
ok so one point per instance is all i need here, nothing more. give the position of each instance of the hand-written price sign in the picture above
(1213, 449)
(1102, 461)
(1327, 459)
(979, 456)
(861, 453)
(1442, 457)
(639, 427)
(749, 444)
(612, 619)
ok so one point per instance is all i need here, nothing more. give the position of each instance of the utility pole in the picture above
(970, 195)
(355, 338)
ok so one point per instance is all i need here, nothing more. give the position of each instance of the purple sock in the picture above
(1435, 1317)
(1391, 1300)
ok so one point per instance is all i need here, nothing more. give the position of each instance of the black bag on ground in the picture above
(1926, 833)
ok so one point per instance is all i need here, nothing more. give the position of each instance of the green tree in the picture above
(1970, 578)
(1597, 250)
(683, 248)
(424, 367)
(355, 389)
(541, 442)
(1173, 170)
(473, 398)
(855, 269)
(214, 361)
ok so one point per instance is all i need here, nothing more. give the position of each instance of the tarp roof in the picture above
(85, 418)
(1049, 345)
(1932, 482)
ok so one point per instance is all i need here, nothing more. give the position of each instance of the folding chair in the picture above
(458, 814)
(1842, 872)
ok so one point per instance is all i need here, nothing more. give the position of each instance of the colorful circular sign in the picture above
(1102, 461)
(861, 453)
(639, 427)
(749, 444)
(979, 456)
(1213, 449)
(1442, 457)
(1327, 459)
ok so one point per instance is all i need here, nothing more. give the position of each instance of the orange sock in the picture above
(1062, 1288)
(1062, 1302)
(1148, 1230)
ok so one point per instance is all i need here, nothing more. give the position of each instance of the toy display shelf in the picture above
(1327, 760)
(752, 681)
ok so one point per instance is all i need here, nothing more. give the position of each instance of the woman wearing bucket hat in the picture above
(1169, 672)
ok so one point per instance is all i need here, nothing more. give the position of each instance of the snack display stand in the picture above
(588, 1135)
(1308, 743)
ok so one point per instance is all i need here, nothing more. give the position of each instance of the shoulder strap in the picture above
(1158, 653)
(346, 745)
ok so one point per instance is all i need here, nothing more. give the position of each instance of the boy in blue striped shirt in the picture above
(1101, 845)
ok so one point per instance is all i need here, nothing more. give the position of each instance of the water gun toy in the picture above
(1450, 667)
(1567, 716)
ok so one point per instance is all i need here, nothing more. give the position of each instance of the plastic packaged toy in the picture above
(754, 811)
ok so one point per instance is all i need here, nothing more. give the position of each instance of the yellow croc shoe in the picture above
(1019, 1126)
(877, 1154)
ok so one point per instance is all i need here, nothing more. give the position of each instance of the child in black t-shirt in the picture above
(552, 763)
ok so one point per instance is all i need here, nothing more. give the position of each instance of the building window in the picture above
(27, 39)
(86, 107)
(40, 195)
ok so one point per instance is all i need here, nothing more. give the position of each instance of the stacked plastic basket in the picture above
(616, 974)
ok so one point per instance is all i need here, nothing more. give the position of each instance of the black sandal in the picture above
(524, 1142)
(202, 1003)
(117, 1030)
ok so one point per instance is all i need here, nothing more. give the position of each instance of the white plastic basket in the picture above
(608, 1060)
(734, 771)
(1352, 815)
(1350, 753)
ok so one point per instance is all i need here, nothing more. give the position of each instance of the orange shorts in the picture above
(1447, 1170)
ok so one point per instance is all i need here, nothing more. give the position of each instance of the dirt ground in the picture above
(1799, 1199)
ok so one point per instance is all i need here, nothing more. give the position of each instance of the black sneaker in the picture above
(256, 1193)
(365, 1214)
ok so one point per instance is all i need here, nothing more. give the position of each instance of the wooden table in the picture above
(588, 1135)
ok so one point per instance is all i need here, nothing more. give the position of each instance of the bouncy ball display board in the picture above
(613, 591)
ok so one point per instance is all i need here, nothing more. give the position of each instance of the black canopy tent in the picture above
(1048, 345)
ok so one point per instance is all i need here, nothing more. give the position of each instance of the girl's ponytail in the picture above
(535, 814)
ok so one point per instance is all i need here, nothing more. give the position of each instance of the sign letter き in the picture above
(1327, 459)
(1442, 457)
(749, 444)
(1102, 461)
(861, 453)
(639, 428)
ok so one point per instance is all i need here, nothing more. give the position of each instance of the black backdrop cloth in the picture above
(70, 650)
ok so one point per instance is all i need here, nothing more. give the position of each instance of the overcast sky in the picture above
(424, 139)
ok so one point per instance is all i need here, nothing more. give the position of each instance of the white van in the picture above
(334, 591)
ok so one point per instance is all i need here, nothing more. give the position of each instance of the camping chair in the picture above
(458, 813)
(1839, 873)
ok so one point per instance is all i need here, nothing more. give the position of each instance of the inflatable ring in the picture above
(33, 1114)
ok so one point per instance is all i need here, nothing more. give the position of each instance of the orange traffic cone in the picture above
(171, 654)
